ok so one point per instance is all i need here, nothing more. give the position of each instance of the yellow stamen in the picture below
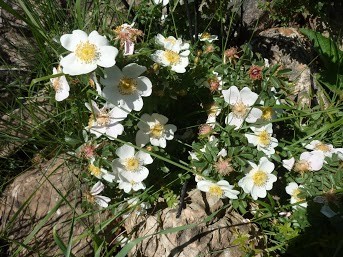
(90, 198)
(322, 147)
(239, 109)
(295, 194)
(216, 191)
(157, 130)
(205, 35)
(264, 138)
(86, 52)
(260, 178)
(94, 170)
(132, 164)
(102, 119)
(172, 57)
(127, 86)
(267, 113)
(302, 166)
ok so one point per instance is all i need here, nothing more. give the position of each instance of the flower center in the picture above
(94, 170)
(127, 86)
(132, 164)
(216, 191)
(89, 197)
(212, 111)
(260, 178)
(157, 130)
(322, 147)
(267, 113)
(102, 119)
(302, 166)
(86, 52)
(239, 110)
(214, 84)
(205, 35)
(295, 194)
(172, 57)
(264, 138)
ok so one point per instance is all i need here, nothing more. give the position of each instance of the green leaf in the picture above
(329, 52)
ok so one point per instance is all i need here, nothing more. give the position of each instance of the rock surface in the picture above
(290, 49)
(40, 190)
(214, 238)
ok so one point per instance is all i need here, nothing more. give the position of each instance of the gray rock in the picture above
(288, 48)
(35, 194)
(206, 239)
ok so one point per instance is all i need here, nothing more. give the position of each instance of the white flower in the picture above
(175, 54)
(130, 165)
(327, 149)
(262, 138)
(163, 2)
(126, 87)
(221, 189)
(129, 185)
(105, 120)
(60, 85)
(171, 43)
(288, 164)
(87, 52)
(100, 173)
(259, 180)
(309, 161)
(153, 128)
(139, 207)
(207, 37)
(240, 103)
(93, 195)
(339, 152)
(294, 190)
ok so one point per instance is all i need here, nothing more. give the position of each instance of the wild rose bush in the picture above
(159, 109)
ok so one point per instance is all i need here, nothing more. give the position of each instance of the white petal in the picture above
(291, 187)
(70, 41)
(102, 200)
(204, 185)
(141, 138)
(266, 165)
(97, 39)
(109, 177)
(234, 121)
(144, 157)
(252, 139)
(232, 95)
(125, 151)
(160, 118)
(169, 131)
(316, 160)
(97, 188)
(133, 70)
(288, 164)
(72, 66)
(114, 130)
(144, 86)
(253, 115)
(248, 97)
(107, 56)
(113, 76)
